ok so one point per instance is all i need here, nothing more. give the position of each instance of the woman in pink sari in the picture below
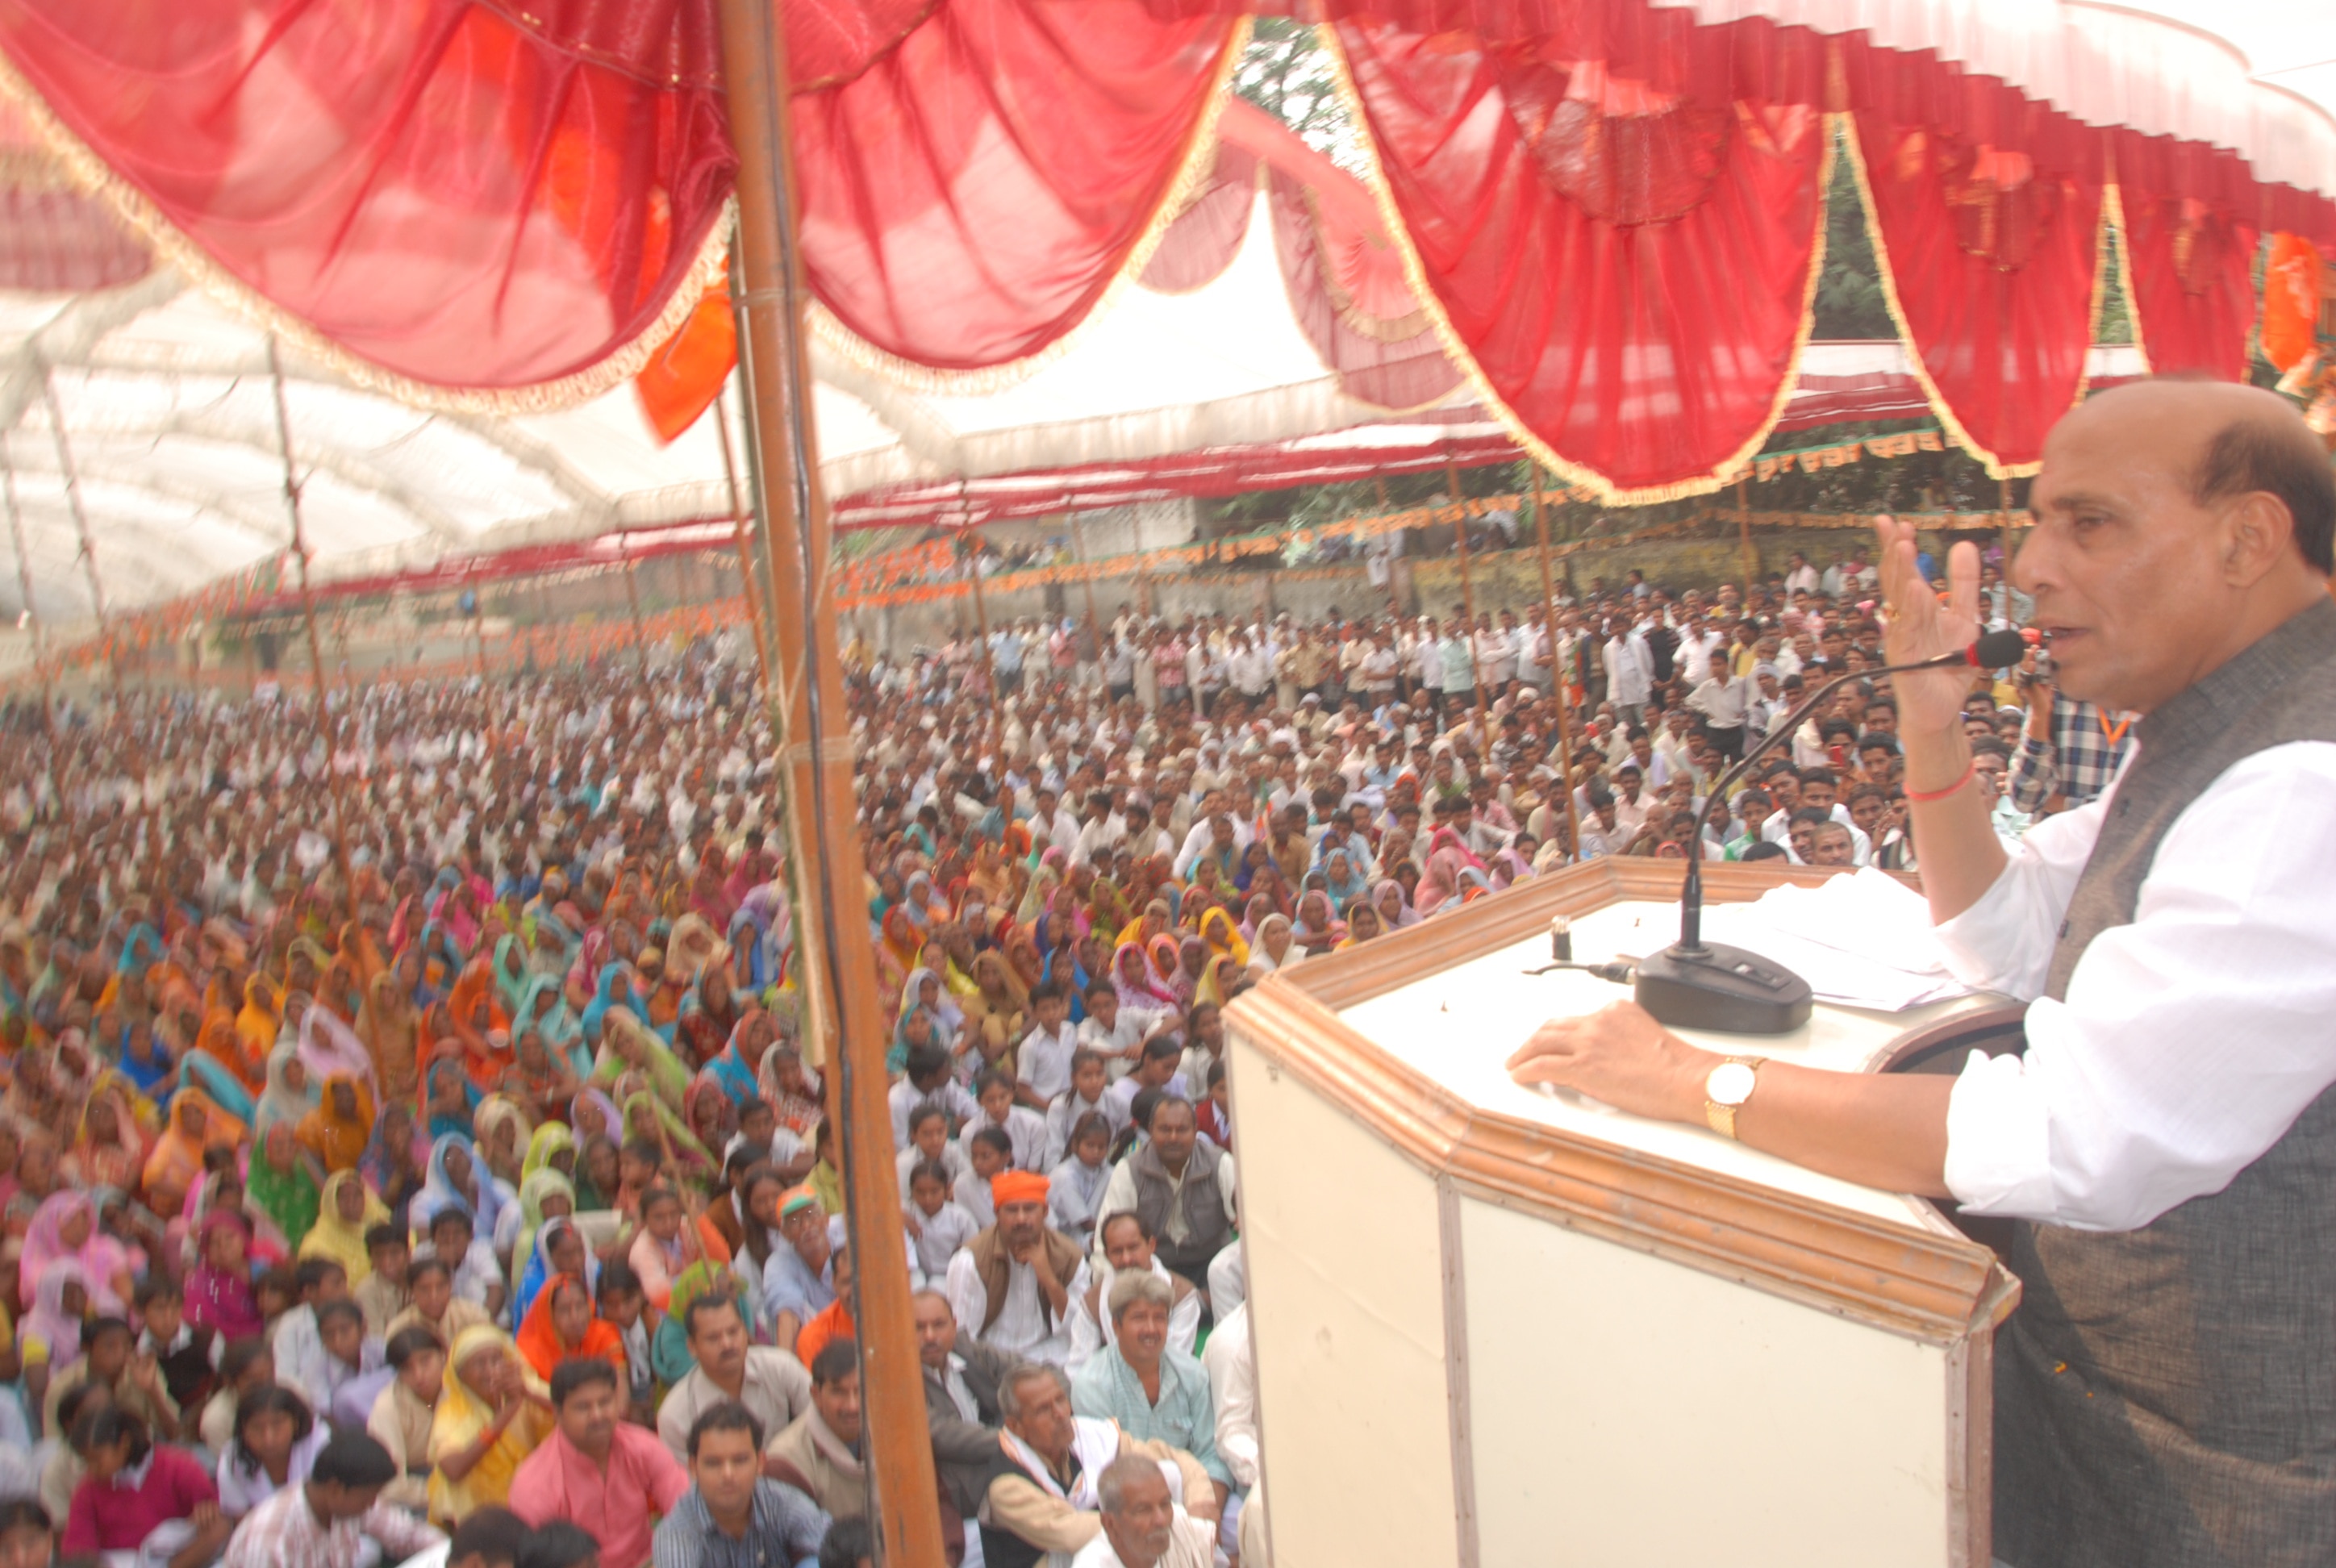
(65, 1226)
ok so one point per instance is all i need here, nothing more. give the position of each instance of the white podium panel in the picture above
(1495, 1326)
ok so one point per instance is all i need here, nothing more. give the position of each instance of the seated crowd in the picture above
(411, 1136)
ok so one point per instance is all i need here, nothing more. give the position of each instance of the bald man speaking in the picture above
(2166, 1392)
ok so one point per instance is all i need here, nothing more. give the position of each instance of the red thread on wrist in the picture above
(1971, 770)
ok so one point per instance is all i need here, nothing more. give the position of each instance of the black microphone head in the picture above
(1997, 650)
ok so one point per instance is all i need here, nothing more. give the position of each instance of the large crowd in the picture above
(407, 1127)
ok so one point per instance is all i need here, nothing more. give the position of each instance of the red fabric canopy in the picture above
(2190, 239)
(464, 195)
(1987, 208)
(1618, 216)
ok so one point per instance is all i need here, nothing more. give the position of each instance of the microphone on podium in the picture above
(1699, 985)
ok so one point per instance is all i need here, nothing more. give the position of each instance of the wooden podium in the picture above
(1500, 1327)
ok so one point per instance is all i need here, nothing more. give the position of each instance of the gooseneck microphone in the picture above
(1696, 985)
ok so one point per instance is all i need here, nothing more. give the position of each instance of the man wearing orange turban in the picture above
(1011, 1286)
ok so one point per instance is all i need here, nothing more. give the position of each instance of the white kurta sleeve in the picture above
(2192, 1039)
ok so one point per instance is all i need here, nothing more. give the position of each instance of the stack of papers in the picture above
(1863, 940)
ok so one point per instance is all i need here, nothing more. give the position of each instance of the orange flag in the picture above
(2291, 299)
(680, 381)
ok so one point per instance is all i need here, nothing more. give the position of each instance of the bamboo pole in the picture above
(81, 527)
(1557, 675)
(24, 591)
(738, 533)
(633, 604)
(1468, 593)
(1086, 579)
(308, 618)
(981, 619)
(1743, 539)
(838, 961)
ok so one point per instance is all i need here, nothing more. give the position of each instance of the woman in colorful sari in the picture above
(545, 1199)
(493, 1413)
(499, 1135)
(456, 1176)
(449, 1095)
(1138, 986)
(554, 1246)
(1395, 910)
(347, 1210)
(1316, 928)
(612, 993)
(110, 1147)
(65, 1227)
(896, 950)
(734, 1066)
(1342, 880)
(560, 1325)
(627, 1046)
(512, 976)
(593, 1114)
(196, 1124)
(390, 1024)
(338, 1129)
(256, 1026)
(1221, 981)
(710, 1011)
(649, 1117)
(291, 1094)
(1275, 948)
(394, 1157)
(286, 1183)
(1217, 930)
(998, 1014)
(543, 1008)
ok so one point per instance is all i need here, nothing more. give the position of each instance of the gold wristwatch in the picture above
(1726, 1089)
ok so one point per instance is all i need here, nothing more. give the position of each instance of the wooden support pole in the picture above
(308, 618)
(1468, 592)
(633, 607)
(24, 592)
(981, 617)
(81, 527)
(1557, 675)
(838, 959)
(738, 513)
(1743, 539)
(1087, 578)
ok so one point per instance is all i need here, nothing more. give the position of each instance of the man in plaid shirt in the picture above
(324, 1522)
(2068, 752)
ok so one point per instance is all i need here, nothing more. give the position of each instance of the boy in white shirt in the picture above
(1025, 1129)
(1043, 1064)
(1113, 1032)
(937, 1226)
(1089, 1093)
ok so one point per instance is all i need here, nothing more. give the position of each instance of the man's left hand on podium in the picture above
(1621, 1055)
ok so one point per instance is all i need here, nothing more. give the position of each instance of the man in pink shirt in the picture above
(610, 1478)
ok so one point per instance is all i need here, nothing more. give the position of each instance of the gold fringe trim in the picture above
(2113, 234)
(1956, 432)
(1196, 164)
(173, 247)
(1456, 347)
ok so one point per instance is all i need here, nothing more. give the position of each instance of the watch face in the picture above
(1729, 1084)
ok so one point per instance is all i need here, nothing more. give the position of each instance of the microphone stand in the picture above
(1699, 985)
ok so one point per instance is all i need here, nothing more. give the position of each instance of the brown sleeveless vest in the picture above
(2167, 1396)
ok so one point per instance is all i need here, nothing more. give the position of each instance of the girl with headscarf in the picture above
(256, 1026)
(998, 1013)
(592, 1114)
(219, 1287)
(501, 1131)
(492, 1415)
(629, 1045)
(511, 972)
(339, 1233)
(1221, 981)
(732, 1067)
(1362, 923)
(1217, 930)
(709, 1012)
(613, 992)
(449, 1096)
(50, 1332)
(287, 1181)
(65, 1227)
(1342, 880)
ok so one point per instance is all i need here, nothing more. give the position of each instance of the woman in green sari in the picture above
(285, 1181)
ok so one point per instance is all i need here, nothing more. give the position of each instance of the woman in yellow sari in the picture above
(262, 1017)
(1218, 930)
(491, 1414)
(347, 1211)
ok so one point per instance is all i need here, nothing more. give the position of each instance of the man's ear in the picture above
(2258, 532)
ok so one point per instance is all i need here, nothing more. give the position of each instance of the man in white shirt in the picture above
(1630, 671)
(2167, 1144)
